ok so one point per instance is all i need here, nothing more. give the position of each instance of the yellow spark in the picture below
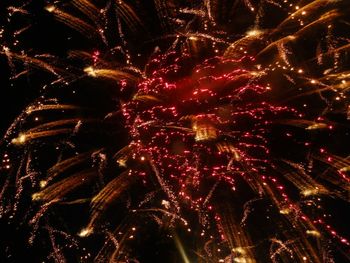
(36, 196)
(50, 8)
(20, 139)
(254, 32)
(345, 169)
(122, 162)
(285, 211)
(240, 250)
(313, 233)
(316, 126)
(146, 98)
(85, 232)
(90, 71)
(43, 184)
(309, 192)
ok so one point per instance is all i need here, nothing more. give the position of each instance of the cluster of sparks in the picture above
(199, 126)
(200, 134)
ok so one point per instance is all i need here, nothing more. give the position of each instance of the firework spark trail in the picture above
(87, 8)
(110, 74)
(36, 63)
(65, 165)
(72, 21)
(58, 190)
(108, 194)
(128, 15)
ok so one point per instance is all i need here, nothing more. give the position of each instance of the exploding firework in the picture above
(183, 132)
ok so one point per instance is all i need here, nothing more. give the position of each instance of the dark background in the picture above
(46, 35)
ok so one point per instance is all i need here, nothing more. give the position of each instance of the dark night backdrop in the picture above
(46, 35)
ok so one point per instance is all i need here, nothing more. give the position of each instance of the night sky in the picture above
(155, 34)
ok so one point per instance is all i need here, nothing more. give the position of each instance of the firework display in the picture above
(172, 131)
